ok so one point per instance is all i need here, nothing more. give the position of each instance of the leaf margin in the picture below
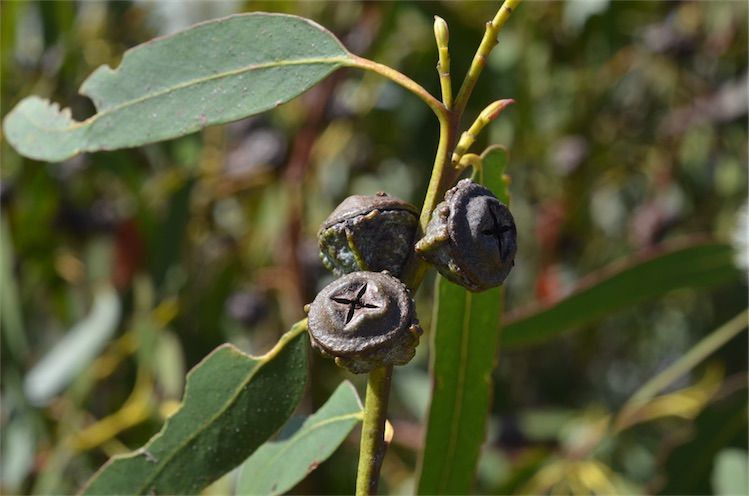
(297, 331)
(345, 387)
(71, 133)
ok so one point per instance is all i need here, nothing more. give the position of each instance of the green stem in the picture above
(437, 186)
(488, 42)
(372, 447)
(442, 177)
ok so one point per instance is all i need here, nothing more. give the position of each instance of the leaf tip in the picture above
(40, 129)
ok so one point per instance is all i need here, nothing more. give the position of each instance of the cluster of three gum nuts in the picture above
(366, 318)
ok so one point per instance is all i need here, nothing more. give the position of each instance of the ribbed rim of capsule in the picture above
(396, 321)
(357, 205)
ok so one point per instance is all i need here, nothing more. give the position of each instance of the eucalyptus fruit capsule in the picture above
(368, 233)
(365, 320)
(471, 237)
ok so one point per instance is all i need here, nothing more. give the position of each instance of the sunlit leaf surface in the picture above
(233, 403)
(215, 72)
(279, 465)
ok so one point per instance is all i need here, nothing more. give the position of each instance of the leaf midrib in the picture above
(458, 404)
(193, 82)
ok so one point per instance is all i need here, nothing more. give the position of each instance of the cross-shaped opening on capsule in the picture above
(496, 231)
(354, 304)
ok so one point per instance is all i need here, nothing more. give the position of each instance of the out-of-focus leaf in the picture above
(169, 365)
(544, 424)
(167, 240)
(277, 466)
(685, 403)
(74, 352)
(412, 388)
(8, 24)
(730, 473)
(572, 477)
(10, 308)
(577, 12)
(493, 469)
(524, 465)
(640, 406)
(214, 72)
(233, 403)
(693, 265)
(19, 444)
(585, 429)
(463, 352)
(721, 425)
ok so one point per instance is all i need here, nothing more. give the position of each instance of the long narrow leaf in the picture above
(278, 466)
(233, 403)
(632, 409)
(76, 350)
(465, 339)
(10, 308)
(701, 264)
(214, 72)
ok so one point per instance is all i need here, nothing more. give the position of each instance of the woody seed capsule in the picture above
(368, 233)
(471, 238)
(365, 320)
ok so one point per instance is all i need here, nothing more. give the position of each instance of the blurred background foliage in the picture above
(121, 270)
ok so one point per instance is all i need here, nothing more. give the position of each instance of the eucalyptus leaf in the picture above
(18, 448)
(215, 72)
(694, 264)
(233, 403)
(279, 465)
(463, 353)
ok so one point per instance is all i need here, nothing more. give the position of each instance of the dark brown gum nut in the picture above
(365, 320)
(471, 238)
(368, 233)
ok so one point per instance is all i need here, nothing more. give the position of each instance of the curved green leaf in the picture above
(641, 278)
(463, 351)
(233, 403)
(278, 466)
(215, 72)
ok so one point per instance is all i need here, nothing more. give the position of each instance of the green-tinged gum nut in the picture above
(368, 233)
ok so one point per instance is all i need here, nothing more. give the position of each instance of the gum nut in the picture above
(471, 238)
(368, 233)
(365, 320)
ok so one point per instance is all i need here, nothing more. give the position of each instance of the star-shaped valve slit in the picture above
(496, 231)
(354, 304)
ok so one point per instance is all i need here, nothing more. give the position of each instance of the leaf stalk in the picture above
(401, 79)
